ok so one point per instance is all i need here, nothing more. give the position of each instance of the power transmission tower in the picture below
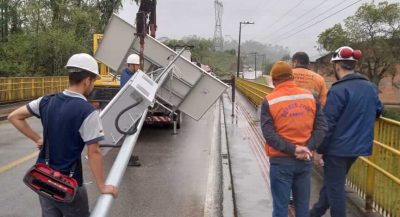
(218, 39)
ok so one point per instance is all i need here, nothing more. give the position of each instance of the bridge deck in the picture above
(173, 178)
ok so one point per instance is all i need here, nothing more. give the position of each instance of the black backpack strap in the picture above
(46, 131)
(78, 163)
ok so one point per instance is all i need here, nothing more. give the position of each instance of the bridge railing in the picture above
(14, 89)
(376, 178)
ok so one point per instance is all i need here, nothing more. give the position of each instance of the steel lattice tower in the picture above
(218, 39)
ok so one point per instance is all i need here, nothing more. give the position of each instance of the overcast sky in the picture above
(274, 19)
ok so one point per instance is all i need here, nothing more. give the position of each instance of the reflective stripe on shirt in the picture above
(289, 98)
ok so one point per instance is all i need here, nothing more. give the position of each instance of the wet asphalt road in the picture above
(171, 181)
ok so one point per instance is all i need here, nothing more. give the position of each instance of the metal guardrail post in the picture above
(233, 94)
(43, 87)
(369, 194)
(9, 87)
(33, 86)
(105, 201)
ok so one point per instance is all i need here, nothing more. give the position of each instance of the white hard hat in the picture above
(346, 53)
(133, 59)
(83, 61)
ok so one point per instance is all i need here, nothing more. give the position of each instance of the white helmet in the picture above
(83, 61)
(346, 53)
(133, 59)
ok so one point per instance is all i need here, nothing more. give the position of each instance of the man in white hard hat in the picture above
(351, 109)
(133, 62)
(70, 123)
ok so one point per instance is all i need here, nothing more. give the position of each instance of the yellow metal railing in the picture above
(375, 178)
(14, 89)
(255, 92)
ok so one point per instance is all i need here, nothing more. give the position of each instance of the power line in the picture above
(318, 22)
(298, 18)
(289, 11)
(305, 23)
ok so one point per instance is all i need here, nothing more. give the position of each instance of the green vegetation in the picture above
(38, 36)
(225, 62)
(391, 114)
(375, 30)
(222, 62)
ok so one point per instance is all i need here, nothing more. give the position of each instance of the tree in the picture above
(374, 29)
(201, 49)
(333, 38)
(43, 34)
(107, 8)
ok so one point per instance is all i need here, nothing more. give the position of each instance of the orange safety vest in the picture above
(311, 81)
(293, 111)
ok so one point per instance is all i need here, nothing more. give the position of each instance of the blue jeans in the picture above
(287, 178)
(79, 207)
(332, 194)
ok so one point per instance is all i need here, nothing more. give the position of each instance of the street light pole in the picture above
(238, 60)
(238, 66)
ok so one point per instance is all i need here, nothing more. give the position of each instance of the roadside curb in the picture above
(220, 193)
(213, 200)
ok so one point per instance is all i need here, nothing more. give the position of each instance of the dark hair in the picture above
(78, 77)
(302, 58)
(347, 64)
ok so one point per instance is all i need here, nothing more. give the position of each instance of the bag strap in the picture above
(45, 134)
(47, 144)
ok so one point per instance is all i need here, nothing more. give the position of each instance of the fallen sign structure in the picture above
(186, 88)
(177, 81)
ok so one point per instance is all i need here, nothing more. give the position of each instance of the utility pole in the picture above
(255, 65)
(262, 63)
(238, 66)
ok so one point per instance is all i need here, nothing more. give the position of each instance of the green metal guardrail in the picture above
(14, 89)
(376, 178)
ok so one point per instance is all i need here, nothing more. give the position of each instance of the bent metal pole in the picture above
(105, 201)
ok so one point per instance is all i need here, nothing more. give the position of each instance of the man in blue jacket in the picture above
(351, 109)
(133, 62)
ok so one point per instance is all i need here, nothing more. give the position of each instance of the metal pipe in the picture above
(105, 201)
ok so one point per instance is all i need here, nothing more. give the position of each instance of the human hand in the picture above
(109, 189)
(302, 153)
(39, 143)
(318, 161)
